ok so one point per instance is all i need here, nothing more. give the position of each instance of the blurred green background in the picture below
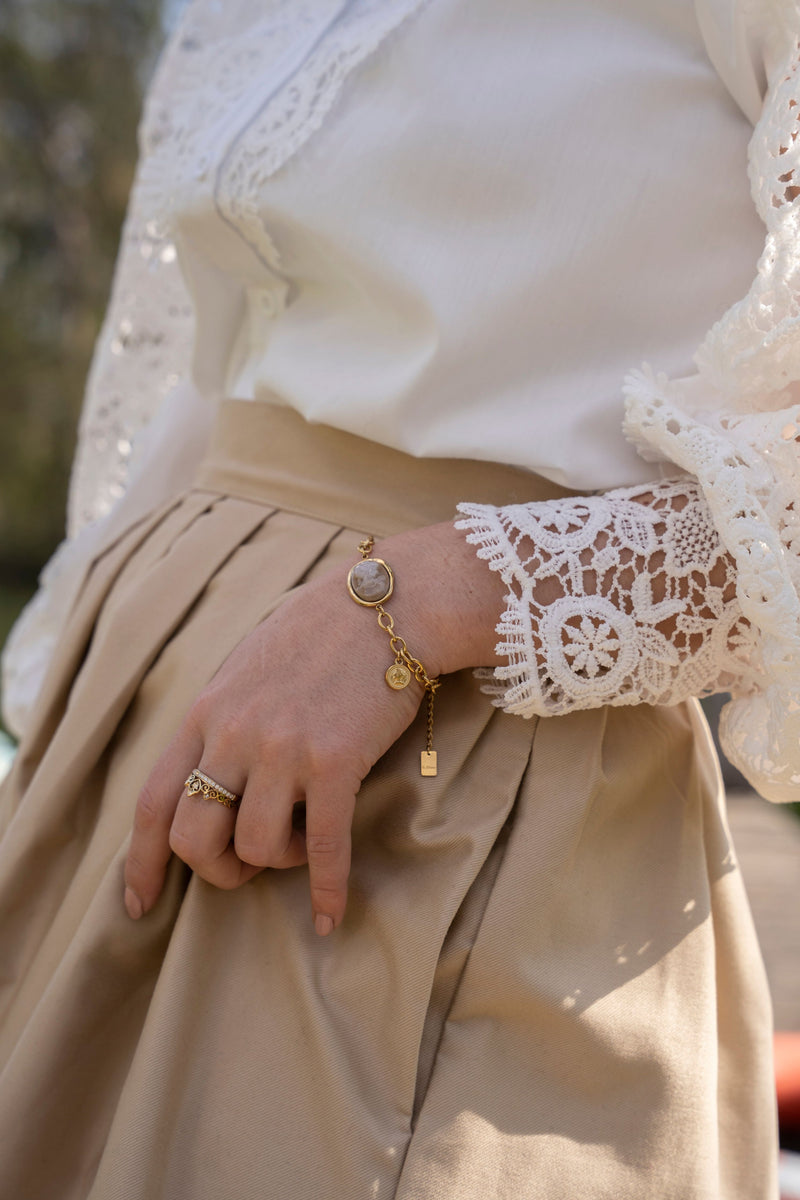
(72, 76)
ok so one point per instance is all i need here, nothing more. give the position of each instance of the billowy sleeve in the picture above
(139, 416)
(691, 585)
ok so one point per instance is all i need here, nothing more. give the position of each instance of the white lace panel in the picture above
(753, 351)
(735, 427)
(251, 81)
(143, 349)
(222, 63)
(239, 89)
(142, 353)
(624, 598)
(290, 114)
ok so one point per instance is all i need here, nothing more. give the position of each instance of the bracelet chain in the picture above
(405, 659)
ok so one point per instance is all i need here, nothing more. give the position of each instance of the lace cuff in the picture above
(735, 427)
(623, 598)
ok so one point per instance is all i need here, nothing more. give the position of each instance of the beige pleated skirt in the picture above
(546, 984)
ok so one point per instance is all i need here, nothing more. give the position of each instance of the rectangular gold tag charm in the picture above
(427, 762)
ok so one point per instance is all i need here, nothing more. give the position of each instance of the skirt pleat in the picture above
(546, 985)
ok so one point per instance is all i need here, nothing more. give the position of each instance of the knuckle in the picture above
(201, 712)
(326, 847)
(328, 761)
(228, 733)
(278, 741)
(260, 853)
(273, 746)
(329, 867)
(253, 852)
(213, 875)
(204, 706)
(333, 762)
(224, 873)
(320, 771)
(225, 883)
(148, 811)
(184, 846)
(323, 893)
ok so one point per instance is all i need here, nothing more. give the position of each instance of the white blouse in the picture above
(453, 227)
(506, 207)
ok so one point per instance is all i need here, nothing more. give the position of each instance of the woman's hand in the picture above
(300, 711)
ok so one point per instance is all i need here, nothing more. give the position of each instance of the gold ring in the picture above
(200, 784)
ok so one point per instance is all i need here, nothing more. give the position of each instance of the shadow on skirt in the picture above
(546, 985)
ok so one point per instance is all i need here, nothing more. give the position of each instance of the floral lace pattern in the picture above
(254, 95)
(278, 63)
(617, 599)
(144, 347)
(753, 350)
(293, 113)
(221, 62)
(639, 600)
(137, 361)
(735, 427)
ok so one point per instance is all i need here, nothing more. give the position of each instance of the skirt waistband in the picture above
(269, 453)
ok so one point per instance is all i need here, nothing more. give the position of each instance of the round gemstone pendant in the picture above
(398, 676)
(370, 582)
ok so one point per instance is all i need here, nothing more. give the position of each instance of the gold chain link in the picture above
(429, 736)
(404, 657)
(402, 652)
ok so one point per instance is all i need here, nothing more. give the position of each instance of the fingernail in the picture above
(133, 904)
(323, 924)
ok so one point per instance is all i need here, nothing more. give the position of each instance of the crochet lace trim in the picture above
(732, 426)
(624, 598)
(224, 112)
(735, 427)
(288, 118)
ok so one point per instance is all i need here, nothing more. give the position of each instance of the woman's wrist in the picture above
(446, 602)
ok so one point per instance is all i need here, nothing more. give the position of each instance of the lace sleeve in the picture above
(143, 350)
(139, 367)
(623, 598)
(735, 426)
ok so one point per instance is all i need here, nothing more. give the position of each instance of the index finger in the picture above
(149, 851)
(329, 816)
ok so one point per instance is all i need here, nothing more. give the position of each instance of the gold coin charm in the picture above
(398, 676)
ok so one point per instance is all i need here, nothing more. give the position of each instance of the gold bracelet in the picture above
(371, 582)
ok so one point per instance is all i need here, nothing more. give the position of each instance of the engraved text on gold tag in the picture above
(427, 762)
